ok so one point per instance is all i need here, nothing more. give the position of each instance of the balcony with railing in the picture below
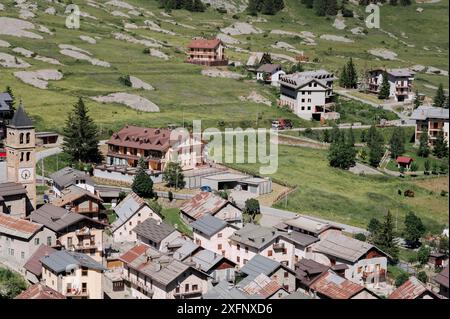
(278, 246)
(135, 283)
(77, 292)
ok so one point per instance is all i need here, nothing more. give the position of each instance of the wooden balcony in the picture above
(381, 274)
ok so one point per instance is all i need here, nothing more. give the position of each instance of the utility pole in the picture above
(43, 176)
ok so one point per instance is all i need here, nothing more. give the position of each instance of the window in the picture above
(139, 214)
(219, 235)
(36, 241)
(246, 250)
(177, 290)
(238, 247)
(22, 255)
(84, 287)
(303, 100)
(28, 156)
(21, 156)
(28, 138)
(21, 138)
(245, 261)
(11, 252)
(284, 251)
(49, 241)
(269, 253)
(286, 274)
(84, 271)
(186, 287)
(219, 246)
(309, 100)
(309, 108)
(238, 259)
(194, 287)
(130, 223)
(303, 108)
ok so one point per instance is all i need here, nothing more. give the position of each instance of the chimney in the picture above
(158, 222)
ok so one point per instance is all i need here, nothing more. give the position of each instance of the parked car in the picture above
(282, 124)
(206, 189)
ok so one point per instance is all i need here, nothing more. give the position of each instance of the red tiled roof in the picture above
(18, 227)
(204, 44)
(40, 291)
(133, 253)
(336, 287)
(142, 138)
(33, 264)
(404, 160)
(203, 203)
(411, 289)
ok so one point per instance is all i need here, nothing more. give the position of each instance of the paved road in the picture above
(48, 152)
(272, 216)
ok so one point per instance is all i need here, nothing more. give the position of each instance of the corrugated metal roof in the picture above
(335, 287)
(10, 188)
(17, 227)
(127, 208)
(209, 225)
(203, 203)
(55, 218)
(262, 285)
(207, 259)
(411, 289)
(429, 112)
(255, 236)
(260, 265)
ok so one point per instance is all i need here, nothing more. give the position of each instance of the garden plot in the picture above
(39, 78)
(131, 100)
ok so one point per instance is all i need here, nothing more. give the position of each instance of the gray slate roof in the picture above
(60, 260)
(300, 238)
(154, 230)
(342, 247)
(269, 68)
(5, 99)
(186, 250)
(225, 290)
(68, 176)
(55, 218)
(127, 208)
(209, 225)
(260, 265)
(207, 259)
(430, 112)
(11, 188)
(21, 119)
(255, 236)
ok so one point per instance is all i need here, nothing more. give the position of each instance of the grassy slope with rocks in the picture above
(179, 87)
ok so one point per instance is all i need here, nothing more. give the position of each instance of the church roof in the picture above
(21, 119)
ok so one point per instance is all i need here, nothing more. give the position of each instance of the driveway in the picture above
(273, 216)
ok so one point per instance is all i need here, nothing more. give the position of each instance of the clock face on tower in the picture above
(25, 174)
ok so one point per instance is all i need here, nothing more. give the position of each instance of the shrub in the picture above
(422, 276)
(360, 236)
(401, 278)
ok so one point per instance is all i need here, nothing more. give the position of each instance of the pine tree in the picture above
(385, 237)
(351, 137)
(142, 182)
(268, 7)
(385, 88)
(439, 99)
(173, 175)
(397, 142)
(253, 7)
(417, 100)
(376, 149)
(343, 79)
(308, 3)
(440, 149)
(424, 149)
(81, 135)
(352, 75)
(320, 7)
(331, 7)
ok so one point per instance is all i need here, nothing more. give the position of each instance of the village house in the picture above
(212, 233)
(259, 264)
(330, 285)
(73, 231)
(155, 146)
(256, 59)
(40, 291)
(19, 239)
(131, 211)
(207, 52)
(155, 233)
(308, 94)
(33, 266)
(437, 259)
(400, 83)
(14, 200)
(306, 272)
(181, 248)
(361, 262)
(413, 288)
(216, 266)
(263, 286)
(68, 176)
(431, 120)
(81, 201)
(252, 240)
(209, 203)
(225, 290)
(442, 280)
(307, 226)
(151, 274)
(73, 274)
(270, 73)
